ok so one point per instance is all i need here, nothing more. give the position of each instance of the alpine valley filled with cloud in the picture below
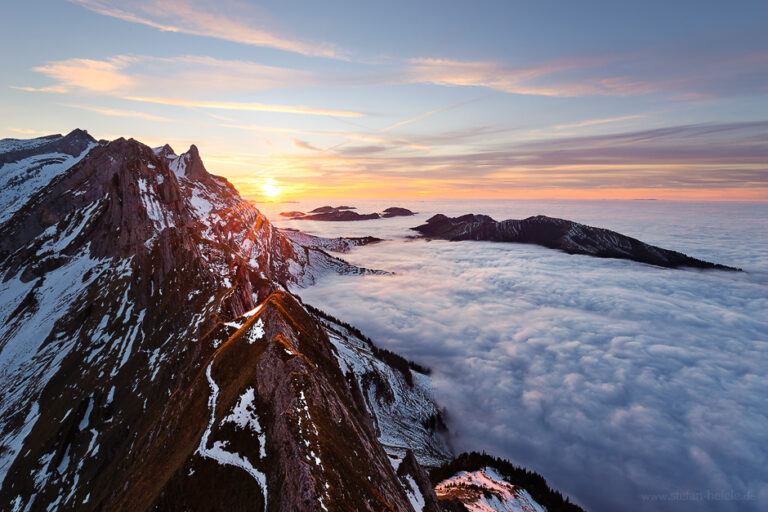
(619, 381)
(434, 256)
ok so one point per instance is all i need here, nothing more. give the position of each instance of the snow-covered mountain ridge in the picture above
(153, 358)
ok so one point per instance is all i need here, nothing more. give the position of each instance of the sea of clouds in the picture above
(629, 387)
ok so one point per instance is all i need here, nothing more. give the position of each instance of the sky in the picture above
(428, 99)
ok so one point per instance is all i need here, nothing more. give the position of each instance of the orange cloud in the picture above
(148, 79)
(689, 162)
(332, 175)
(93, 75)
(26, 131)
(155, 76)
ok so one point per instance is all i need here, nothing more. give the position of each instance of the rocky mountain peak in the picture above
(79, 133)
(195, 170)
(72, 144)
(165, 151)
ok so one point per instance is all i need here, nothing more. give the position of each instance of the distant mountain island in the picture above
(566, 235)
(345, 213)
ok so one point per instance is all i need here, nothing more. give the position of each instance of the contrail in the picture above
(436, 111)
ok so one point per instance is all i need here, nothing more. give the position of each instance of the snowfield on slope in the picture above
(20, 180)
(400, 411)
(486, 490)
(218, 452)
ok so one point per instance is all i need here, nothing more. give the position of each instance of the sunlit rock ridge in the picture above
(152, 356)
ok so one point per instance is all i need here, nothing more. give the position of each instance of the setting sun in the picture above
(270, 189)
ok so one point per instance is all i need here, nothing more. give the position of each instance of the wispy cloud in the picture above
(495, 76)
(228, 20)
(122, 113)
(704, 161)
(177, 80)
(253, 107)
(676, 72)
(703, 135)
(25, 131)
(416, 118)
(301, 144)
(593, 122)
(430, 113)
(53, 88)
(148, 75)
(271, 129)
(383, 140)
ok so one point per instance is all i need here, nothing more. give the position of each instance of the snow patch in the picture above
(244, 416)
(84, 422)
(414, 494)
(399, 422)
(13, 442)
(217, 452)
(57, 240)
(257, 331)
(486, 490)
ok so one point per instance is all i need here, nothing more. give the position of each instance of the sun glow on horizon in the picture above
(270, 188)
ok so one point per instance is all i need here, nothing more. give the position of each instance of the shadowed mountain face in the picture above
(568, 236)
(73, 144)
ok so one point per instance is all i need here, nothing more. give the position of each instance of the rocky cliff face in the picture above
(568, 236)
